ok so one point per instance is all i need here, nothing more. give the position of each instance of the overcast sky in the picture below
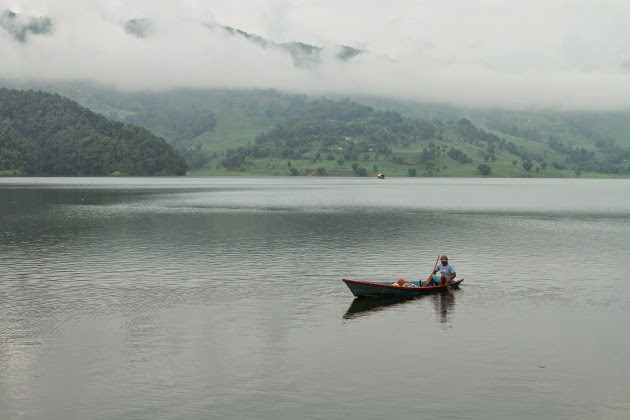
(563, 53)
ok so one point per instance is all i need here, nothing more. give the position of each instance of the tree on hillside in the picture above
(484, 169)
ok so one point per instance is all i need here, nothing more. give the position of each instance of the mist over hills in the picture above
(304, 55)
(20, 27)
(458, 52)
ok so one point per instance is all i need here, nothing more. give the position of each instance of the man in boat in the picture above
(443, 273)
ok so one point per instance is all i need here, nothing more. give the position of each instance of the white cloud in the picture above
(488, 52)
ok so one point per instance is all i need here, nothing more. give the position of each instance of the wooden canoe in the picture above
(400, 288)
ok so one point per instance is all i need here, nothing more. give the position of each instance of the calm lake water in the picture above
(192, 298)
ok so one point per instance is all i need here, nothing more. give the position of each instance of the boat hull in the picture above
(387, 289)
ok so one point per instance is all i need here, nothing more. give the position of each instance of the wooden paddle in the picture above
(438, 259)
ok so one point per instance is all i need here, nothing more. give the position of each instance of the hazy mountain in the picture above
(303, 55)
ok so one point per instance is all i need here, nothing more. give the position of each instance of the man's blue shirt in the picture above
(448, 269)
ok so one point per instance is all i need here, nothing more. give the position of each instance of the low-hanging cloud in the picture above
(555, 53)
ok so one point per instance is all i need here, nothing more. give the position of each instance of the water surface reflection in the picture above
(443, 304)
(361, 307)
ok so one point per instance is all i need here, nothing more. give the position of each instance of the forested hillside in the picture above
(318, 137)
(266, 132)
(47, 134)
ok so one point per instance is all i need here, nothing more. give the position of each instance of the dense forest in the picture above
(325, 129)
(47, 134)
